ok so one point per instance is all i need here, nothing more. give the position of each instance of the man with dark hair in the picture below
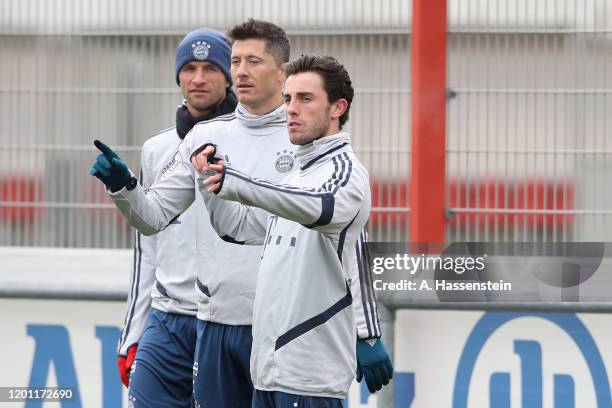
(158, 340)
(275, 38)
(336, 84)
(303, 325)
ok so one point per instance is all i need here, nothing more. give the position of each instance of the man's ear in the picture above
(282, 77)
(338, 108)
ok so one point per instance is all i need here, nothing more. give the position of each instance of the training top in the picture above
(303, 322)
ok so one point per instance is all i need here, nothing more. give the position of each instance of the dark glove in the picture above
(373, 364)
(124, 363)
(110, 169)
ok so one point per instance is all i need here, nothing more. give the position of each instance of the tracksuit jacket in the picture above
(303, 323)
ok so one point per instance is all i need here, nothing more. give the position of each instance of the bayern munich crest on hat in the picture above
(200, 50)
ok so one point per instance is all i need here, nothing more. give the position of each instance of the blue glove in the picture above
(109, 168)
(373, 364)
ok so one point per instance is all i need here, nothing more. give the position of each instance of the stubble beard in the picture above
(203, 107)
(319, 129)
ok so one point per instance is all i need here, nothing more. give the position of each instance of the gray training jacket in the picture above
(303, 322)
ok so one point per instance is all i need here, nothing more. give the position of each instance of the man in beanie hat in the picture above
(157, 345)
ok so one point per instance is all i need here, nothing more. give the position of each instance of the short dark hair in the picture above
(277, 43)
(336, 80)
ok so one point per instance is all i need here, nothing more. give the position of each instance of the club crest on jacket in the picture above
(285, 161)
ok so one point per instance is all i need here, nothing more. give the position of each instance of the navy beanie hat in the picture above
(204, 44)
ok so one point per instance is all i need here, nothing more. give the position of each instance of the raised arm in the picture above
(328, 208)
(148, 210)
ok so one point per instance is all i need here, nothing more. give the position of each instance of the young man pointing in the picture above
(303, 351)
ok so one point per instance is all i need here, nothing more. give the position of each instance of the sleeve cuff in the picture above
(122, 191)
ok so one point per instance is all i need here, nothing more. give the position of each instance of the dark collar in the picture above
(185, 121)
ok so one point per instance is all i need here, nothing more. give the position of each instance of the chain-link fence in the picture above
(527, 116)
(528, 145)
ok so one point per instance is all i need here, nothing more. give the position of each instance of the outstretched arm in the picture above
(327, 209)
(150, 210)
